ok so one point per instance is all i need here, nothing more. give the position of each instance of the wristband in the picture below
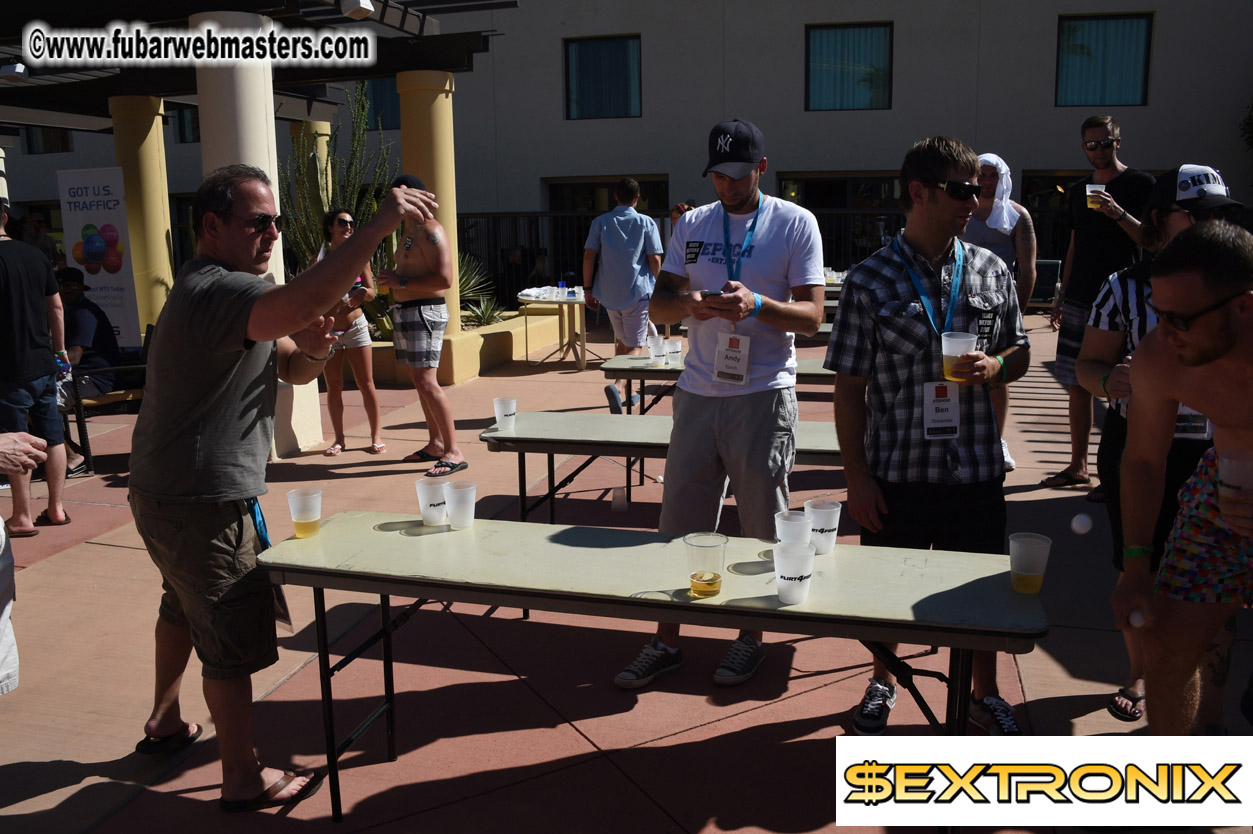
(60, 353)
(1119, 218)
(1059, 297)
(1104, 381)
(1137, 552)
(1004, 376)
(317, 360)
(756, 306)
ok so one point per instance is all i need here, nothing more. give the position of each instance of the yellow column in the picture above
(426, 144)
(237, 125)
(319, 133)
(139, 149)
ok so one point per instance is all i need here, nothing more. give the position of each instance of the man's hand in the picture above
(590, 300)
(865, 502)
(316, 339)
(977, 368)
(1055, 314)
(1108, 206)
(21, 452)
(734, 304)
(1134, 592)
(409, 204)
(388, 278)
(1118, 384)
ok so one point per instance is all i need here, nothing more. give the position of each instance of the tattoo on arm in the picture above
(1028, 230)
(432, 238)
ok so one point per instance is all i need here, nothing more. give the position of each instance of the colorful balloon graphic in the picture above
(100, 246)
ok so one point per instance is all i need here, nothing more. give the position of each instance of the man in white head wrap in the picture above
(1005, 227)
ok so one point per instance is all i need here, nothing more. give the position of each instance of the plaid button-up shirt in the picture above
(882, 332)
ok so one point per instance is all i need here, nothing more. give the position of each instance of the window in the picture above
(1103, 61)
(187, 125)
(384, 103)
(848, 67)
(48, 140)
(603, 78)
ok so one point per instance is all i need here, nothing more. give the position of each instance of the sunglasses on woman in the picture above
(1182, 322)
(959, 189)
(345, 224)
(1100, 143)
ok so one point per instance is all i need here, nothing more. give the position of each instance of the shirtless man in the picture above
(1201, 355)
(423, 273)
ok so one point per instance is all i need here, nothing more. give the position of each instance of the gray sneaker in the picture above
(871, 717)
(653, 660)
(995, 716)
(741, 661)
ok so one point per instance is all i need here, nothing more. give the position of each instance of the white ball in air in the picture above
(1081, 524)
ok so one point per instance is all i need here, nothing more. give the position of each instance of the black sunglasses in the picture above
(342, 223)
(262, 222)
(1182, 322)
(1101, 143)
(959, 190)
(1201, 215)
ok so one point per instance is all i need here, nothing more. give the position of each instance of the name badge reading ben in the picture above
(731, 360)
(941, 414)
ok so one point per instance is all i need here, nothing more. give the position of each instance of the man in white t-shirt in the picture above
(745, 273)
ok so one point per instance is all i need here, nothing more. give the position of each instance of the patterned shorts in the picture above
(1205, 561)
(1069, 340)
(419, 335)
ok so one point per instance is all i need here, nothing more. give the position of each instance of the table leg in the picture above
(328, 702)
(389, 684)
(576, 311)
(563, 326)
(631, 394)
(960, 670)
(552, 492)
(522, 511)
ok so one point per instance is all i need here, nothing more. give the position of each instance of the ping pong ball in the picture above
(1081, 524)
(661, 479)
(1136, 618)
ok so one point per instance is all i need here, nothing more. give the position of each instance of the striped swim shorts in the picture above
(419, 334)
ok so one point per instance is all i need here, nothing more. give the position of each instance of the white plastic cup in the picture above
(657, 351)
(460, 496)
(506, 411)
(793, 570)
(1089, 190)
(792, 526)
(1028, 557)
(824, 521)
(433, 501)
(705, 555)
(952, 346)
(306, 511)
(674, 352)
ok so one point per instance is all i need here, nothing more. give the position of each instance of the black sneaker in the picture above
(740, 662)
(653, 660)
(995, 716)
(871, 717)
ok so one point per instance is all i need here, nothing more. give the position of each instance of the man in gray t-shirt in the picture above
(223, 340)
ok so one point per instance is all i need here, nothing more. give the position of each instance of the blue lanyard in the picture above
(733, 264)
(258, 520)
(954, 292)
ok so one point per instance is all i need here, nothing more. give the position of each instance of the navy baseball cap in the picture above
(735, 149)
(408, 181)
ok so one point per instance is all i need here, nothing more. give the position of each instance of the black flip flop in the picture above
(154, 745)
(267, 800)
(449, 468)
(1133, 714)
(45, 520)
(420, 456)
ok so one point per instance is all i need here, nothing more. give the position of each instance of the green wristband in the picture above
(1104, 380)
(1137, 552)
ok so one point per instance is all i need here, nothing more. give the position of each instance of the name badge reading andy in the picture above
(731, 360)
(941, 416)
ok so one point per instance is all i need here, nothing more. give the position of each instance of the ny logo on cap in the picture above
(724, 143)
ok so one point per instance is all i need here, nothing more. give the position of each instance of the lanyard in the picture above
(733, 264)
(258, 520)
(953, 295)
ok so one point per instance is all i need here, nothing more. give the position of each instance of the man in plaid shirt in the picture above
(922, 454)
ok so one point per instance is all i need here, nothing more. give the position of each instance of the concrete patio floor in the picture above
(505, 724)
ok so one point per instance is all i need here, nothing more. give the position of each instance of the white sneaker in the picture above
(1010, 466)
(994, 715)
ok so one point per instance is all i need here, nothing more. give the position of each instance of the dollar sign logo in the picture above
(871, 779)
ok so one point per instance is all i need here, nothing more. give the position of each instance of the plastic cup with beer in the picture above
(952, 346)
(705, 555)
(824, 521)
(433, 501)
(1028, 556)
(506, 411)
(1091, 190)
(306, 511)
(793, 570)
(460, 496)
(657, 351)
(792, 526)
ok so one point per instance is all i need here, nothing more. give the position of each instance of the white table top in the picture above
(808, 370)
(945, 598)
(525, 299)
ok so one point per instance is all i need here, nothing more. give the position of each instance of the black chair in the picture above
(1047, 274)
(127, 397)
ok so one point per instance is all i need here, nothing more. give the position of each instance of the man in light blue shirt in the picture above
(629, 246)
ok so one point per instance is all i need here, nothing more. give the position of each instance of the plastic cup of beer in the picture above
(506, 411)
(306, 511)
(1028, 556)
(433, 501)
(460, 496)
(657, 351)
(1092, 189)
(952, 346)
(824, 521)
(705, 555)
(793, 570)
(792, 526)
